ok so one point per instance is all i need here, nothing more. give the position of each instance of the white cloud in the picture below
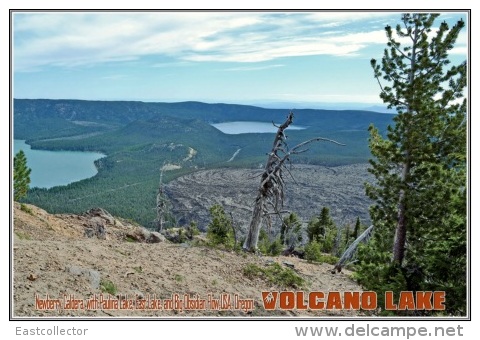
(460, 50)
(72, 39)
(173, 64)
(461, 46)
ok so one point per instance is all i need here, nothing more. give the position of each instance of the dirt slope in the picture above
(52, 255)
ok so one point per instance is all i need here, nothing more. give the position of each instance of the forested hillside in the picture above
(140, 138)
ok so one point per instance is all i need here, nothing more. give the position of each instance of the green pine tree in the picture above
(420, 167)
(219, 230)
(290, 232)
(21, 176)
(323, 230)
(356, 229)
(347, 237)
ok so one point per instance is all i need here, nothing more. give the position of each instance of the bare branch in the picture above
(300, 151)
(293, 178)
(401, 52)
(277, 212)
(272, 186)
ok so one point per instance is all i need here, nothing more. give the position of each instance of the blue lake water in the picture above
(52, 168)
(234, 128)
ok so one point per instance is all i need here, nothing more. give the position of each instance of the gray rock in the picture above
(101, 232)
(140, 234)
(175, 235)
(138, 294)
(155, 237)
(101, 213)
(92, 275)
(89, 232)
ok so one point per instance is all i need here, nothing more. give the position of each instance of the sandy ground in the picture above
(59, 272)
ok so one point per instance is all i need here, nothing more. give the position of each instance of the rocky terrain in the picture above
(79, 265)
(308, 189)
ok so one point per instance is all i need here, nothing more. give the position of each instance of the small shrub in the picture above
(330, 259)
(23, 207)
(252, 270)
(275, 274)
(291, 230)
(108, 286)
(182, 237)
(130, 238)
(192, 230)
(219, 230)
(22, 236)
(275, 247)
(313, 252)
(267, 247)
(285, 277)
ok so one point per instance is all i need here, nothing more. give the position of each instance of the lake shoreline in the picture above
(51, 168)
(240, 127)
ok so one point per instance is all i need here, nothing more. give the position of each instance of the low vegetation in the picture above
(108, 286)
(220, 230)
(22, 236)
(275, 274)
(26, 209)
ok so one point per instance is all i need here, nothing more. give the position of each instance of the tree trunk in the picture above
(160, 210)
(161, 204)
(234, 232)
(255, 224)
(350, 252)
(400, 233)
(401, 228)
(271, 190)
(271, 186)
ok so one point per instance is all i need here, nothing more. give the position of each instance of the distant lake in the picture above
(235, 128)
(52, 168)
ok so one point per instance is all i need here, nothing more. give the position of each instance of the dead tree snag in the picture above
(163, 205)
(271, 191)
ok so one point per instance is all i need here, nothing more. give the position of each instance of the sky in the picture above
(306, 57)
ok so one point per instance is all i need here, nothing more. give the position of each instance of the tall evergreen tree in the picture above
(21, 176)
(347, 236)
(220, 230)
(323, 230)
(420, 167)
(356, 229)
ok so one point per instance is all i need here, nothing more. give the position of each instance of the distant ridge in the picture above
(139, 138)
(48, 118)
